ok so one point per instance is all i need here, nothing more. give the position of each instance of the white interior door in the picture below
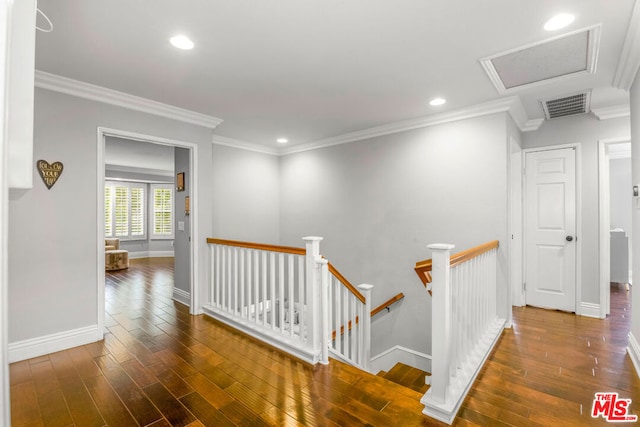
(551, 229)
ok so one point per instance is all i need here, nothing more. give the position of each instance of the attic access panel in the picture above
(546, 61)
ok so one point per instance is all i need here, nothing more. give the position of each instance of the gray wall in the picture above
(586, 130)
(621, 196)
(53, 235)
(182, 260)
(379, 202)
(246, 195)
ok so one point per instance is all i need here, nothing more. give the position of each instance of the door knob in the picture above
(569, 238)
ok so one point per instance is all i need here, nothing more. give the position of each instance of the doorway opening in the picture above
(615, 206)
(165, 200)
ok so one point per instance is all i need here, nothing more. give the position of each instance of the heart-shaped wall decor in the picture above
(49, 172)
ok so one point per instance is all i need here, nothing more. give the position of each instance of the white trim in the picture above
(151, 254)
(593, 47)
(589, 309)
(80, 89)
(243, 145)
(578, 151)
(516, 223)
(28, 349)
(612, 112)
(604, 225)
(183, 297)
(512, 105)
(5, 401)
(398, 354)
(629, 61)
(634, 352)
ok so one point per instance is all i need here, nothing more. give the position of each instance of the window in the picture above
(162, 207)
(124, 212)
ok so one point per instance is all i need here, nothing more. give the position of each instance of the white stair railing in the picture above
(349, 319)
(286, 296)
(465, 324)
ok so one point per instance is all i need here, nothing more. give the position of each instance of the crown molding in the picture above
(611, 112)
(512, 105)
(629, 61)
(80, 89)
(244, 145)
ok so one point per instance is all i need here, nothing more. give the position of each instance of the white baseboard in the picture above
(588, 309)
(634, 352)
(183, 297)
(35, 347)
(150, 254)
(397, 354)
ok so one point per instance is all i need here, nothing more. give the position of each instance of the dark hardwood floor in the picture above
(159, 366)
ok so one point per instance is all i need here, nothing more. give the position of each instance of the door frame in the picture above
(604, 214)
(583, 309)
(516, 223)
(104, 132)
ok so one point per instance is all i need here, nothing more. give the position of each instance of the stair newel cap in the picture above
(441, 247)
(365, 287)
(312, 238)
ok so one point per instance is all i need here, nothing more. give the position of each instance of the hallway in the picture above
(160, 366)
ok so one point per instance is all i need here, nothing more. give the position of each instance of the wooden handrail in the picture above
(386, 304)
(375, 311)
(259, 246)
(346, 283)
(423, 268)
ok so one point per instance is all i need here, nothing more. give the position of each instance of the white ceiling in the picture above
(311, 70)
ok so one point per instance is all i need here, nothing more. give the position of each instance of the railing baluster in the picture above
(290, 288)
(302, 304)
(272, 283)
(223, 286)
(255, 276)
(281, 307)
(242, 270)
(338, 313)
(265, 299)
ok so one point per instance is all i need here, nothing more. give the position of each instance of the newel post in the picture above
(365, 289)
(313, 278)
(440, 320)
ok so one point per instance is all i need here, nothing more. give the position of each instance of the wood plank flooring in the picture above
(159, 366)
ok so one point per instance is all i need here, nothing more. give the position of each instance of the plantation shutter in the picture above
(108, 209)
(137, 211)
(162, 211)
(122, 211)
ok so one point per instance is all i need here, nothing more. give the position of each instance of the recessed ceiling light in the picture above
(181, 42)
(559, 21)
(282, 140)
(437, 101)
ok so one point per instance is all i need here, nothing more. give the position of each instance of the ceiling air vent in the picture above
(566, 106)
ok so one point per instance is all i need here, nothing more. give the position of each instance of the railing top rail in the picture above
(259, 246)
(423, 268)
(346, 283)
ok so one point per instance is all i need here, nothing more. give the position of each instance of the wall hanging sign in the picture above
(49, 172)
